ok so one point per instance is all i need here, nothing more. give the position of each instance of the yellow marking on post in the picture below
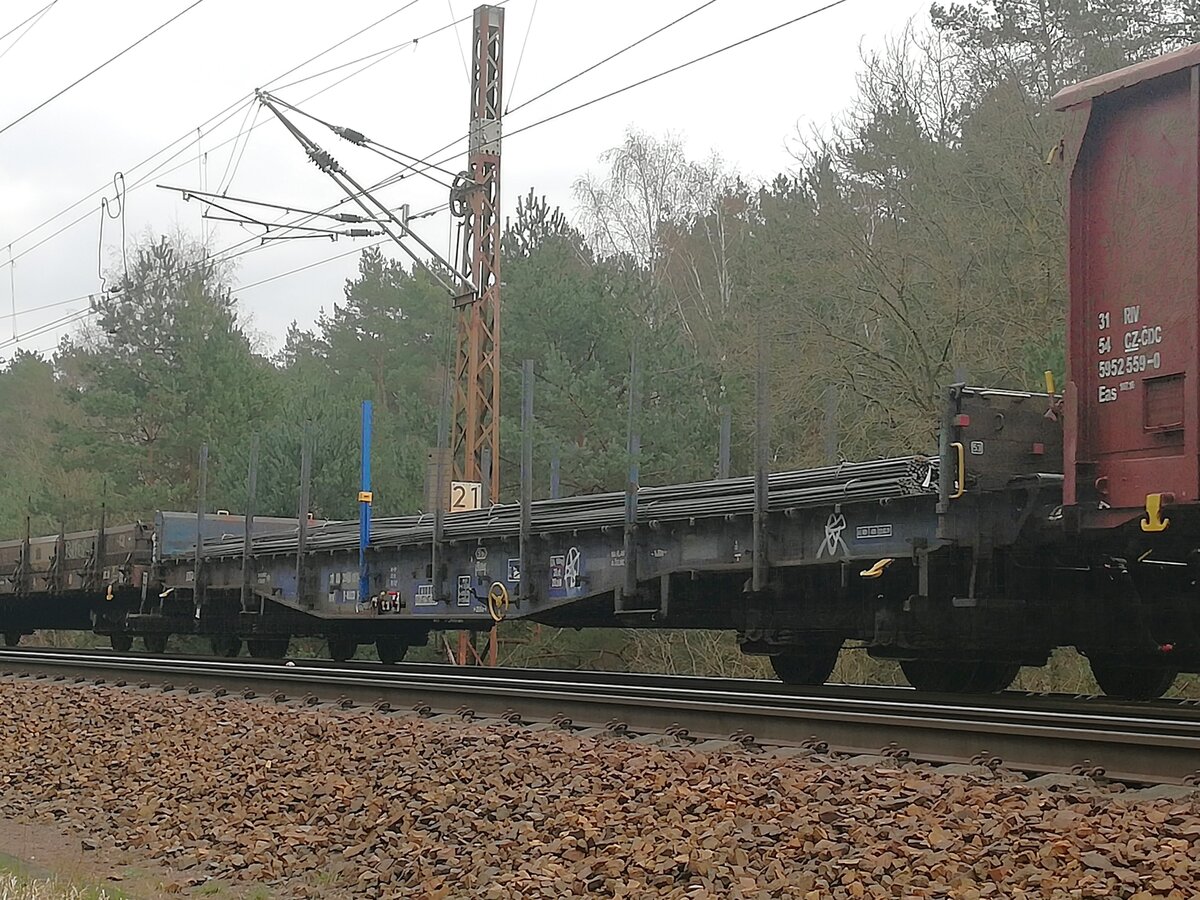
(1049, 376)
(365, 496)
(1154, 521)
(876, 570)
(962, 469)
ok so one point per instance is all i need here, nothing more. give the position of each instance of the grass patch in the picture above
(26, 887)
(20, 881)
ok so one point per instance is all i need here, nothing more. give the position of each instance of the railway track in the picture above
(1132, 743)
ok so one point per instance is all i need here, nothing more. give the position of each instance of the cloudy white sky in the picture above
(744, 105)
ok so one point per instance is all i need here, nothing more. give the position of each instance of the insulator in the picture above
(323, 160)
(354, 137)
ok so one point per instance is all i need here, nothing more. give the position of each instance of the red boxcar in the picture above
(1133, 145)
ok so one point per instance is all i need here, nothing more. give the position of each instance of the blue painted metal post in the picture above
(364, 506)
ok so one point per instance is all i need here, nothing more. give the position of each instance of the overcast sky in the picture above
(744, 105)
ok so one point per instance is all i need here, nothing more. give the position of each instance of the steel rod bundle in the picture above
(876, 480)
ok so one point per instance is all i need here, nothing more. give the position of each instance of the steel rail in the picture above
(1173, 709)
(1130, 744)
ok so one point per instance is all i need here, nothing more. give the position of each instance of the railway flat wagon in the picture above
(98, 579)
(1036, 521)
(53, 581)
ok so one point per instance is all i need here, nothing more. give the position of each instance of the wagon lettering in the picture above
(1144, 337)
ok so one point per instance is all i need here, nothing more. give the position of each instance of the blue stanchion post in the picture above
(364, 506)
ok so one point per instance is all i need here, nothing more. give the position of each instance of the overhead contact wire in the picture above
(228, 112)
(399, 176)
(607, 59)
(386, 51)
(30, 17)
(521, 56)
(225, 255)
(650, 78)
(158, 170)
(635, 84)
(90, 73)
(37, 17)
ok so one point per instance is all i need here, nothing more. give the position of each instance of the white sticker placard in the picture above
(465, 495)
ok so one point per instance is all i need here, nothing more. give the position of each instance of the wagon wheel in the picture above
(992, 677)
(341, 648)
(155, 643)
(391, 649)
(1119, 678)
(122, 643)
(810, 663)
(227, 645)
(269, 648)
(943, 676)
(938, 676)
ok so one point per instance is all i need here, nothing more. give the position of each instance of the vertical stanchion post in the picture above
(440, 502)
(485, 501)
(302, 532)
(634, 453)
(724, 451)
(947, 462)
(762, 458)
(525, 589)
(24, 580)
(201, 503)
(829, 429)
(364, 505)
(60, 558)
(485, 479)
(248, 531)
(441, 472)
(100, 551)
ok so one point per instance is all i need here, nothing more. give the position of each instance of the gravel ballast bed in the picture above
(326, 802)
